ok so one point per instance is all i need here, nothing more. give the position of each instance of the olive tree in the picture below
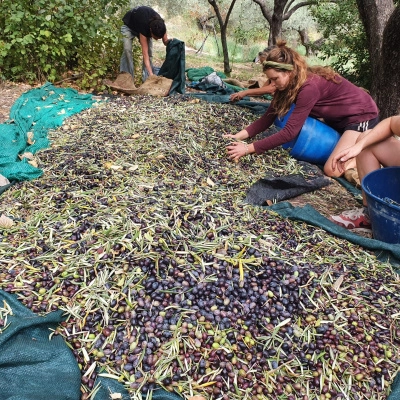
(388, 92)
(278, 11)
(345, 42)
(374, 16)
(223, 20)
(362, 38)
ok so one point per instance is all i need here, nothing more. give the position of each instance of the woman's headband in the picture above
(273, 64)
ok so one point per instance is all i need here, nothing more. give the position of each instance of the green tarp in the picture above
(384, 251)
(196, 74)
(31, 117)
(174, 66)
(33, 366)
(257, 107)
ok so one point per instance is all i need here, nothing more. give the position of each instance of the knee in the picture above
(128, 45)
(328, 171)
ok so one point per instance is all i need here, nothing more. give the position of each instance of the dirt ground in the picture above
(9, 92)
(329, 200)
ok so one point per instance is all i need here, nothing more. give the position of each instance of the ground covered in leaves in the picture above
(139, 231)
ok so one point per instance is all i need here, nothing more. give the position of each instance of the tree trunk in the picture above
(224, 44)
(305, 41)
(223, 27)
(389, 93)
(374, 15)
(275, 31)
(283, 10)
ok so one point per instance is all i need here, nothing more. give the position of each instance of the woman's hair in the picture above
(157, 27)
(284, 55)
(269, 48)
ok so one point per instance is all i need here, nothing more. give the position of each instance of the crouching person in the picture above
(373, 149)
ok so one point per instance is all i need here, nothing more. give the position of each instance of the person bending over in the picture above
(144, 24)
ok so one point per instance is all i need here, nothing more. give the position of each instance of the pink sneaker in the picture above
(352, 219)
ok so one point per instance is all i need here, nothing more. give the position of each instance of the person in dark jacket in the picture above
(144, 24)
(316, 91)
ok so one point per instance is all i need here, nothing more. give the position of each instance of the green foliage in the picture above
(247, 25)
(137, 62)
(345, 41)
(41, 39)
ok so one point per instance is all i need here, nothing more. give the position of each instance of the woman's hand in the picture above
(237, 96)
(166, 39)
(236, 150)
(243, 134)
(340, 159)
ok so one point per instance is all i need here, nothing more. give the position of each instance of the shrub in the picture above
(40, 40)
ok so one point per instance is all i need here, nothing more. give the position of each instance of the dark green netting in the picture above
(257, 107)
(395, 389)
(33, 366)
(196, 74)
(110, 386)
(384, 251)
(32, 115)
(174, 66)
(212, 89)
(5, 187)
(107, 386)
(280, 188)
(163, 395)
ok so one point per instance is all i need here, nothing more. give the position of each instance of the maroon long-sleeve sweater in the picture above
(339, 104)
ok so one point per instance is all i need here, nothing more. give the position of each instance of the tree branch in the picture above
(289, 13)
(214, 5)
(229, 11)
(265, 12)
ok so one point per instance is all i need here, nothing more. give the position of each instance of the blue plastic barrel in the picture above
(315, 141)
(382, 190)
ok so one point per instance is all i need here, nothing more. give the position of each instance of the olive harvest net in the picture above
(33, 366)
(33, 114)
(36, 364)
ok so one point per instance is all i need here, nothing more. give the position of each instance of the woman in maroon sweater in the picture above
(316, 91)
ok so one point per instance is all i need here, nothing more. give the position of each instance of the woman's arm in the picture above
(386, 128)
(267, 88)
(305, 101)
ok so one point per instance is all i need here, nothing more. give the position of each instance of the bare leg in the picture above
(386, 153)
(347, 139)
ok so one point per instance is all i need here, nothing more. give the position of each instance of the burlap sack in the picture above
(256, 82)
(235, 82)
(123, 82)
(154, 85)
